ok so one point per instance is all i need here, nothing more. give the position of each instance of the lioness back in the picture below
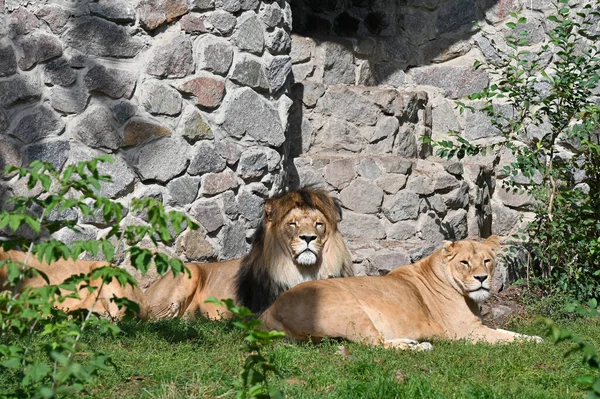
(297, 240)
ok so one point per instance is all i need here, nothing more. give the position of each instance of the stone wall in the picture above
(214, 105)
(188, 97)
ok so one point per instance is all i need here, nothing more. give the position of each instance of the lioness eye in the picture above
(292, 224)
(465, 263)
(486, 261)
(319, 224)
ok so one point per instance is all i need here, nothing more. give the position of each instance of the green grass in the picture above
(201, 359)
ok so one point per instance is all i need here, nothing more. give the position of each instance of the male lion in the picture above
(297, 240)
(438, 296)
(57, 272)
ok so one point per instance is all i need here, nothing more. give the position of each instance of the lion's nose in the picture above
(308, 237)
(480, 277)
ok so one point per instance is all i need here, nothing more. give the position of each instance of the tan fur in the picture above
(436, 297)
(57, 272)
(292, 224)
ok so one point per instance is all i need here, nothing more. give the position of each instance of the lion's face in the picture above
(472, 267)
(304, 232)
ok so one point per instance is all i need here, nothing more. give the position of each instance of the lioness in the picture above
(438, 296)
(57, 272)
(297, 240)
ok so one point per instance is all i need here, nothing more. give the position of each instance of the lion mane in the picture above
(297, 240)
(436, 297)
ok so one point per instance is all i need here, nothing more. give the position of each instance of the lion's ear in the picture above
(269, 210)
(493, 242)
(448, 246)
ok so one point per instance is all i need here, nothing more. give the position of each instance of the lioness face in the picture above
(472, 266)
(305, 231)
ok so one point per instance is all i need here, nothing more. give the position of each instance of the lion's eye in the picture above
(465, 263)
(319, 225)
(486, 261)
(292, 224)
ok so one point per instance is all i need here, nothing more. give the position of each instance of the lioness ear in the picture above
(448, 246)
(268, 210)
(493, 242)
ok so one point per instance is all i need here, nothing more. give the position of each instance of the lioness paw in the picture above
(406, 343)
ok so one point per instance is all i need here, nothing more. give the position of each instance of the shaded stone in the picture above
(515, 199)
(362, 196)
(253, 163)
(338, 63)
(402, 230)
(54, 152)
(55, 16)
(401, 206)
(9, 155)
(213, 54)
(222, 21)
(96, 36)
(435, 203)
(346, 104)
(113, 82)
(356, 225)
(392, 183)
(338, 135)
(457, 198)
(456, 14)
(278, 41)
(123, 110)
(137, 131)
(37, 48)
(22, 21)
(457, 81)
(8, 60)
(302, 49)
(271, 14)
(173, 59)
(248, 71)
(278, 69)
(208, 90)
(94, 128)
(70, 100)
(368, 168)
(59, 72)
(192, 24)
(339, 172)
(406, 141)
(420, 184)
(443, 118)
(246, 112)
(193, 126)
(203, 4)
(250, 205)
(308, 92)
(387, 126)
(122, 176)
(183, 190)
(38, 123)
(160, 160)
(160, 99)
(386, 261)
(113, 10)
(154, 13)
(505, 221)
(455, 224)
(234, 241)
(479, 125)
(205, 159)
(215, 183)
(430, 228)
(249, 35)
(194, 246)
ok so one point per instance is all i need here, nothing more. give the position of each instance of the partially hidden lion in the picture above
(59, 271)
(436, 297)
(297, 240)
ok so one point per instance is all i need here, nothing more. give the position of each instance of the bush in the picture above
(564, 237)
(69, 365)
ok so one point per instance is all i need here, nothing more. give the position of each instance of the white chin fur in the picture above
(479, 296)
(306, 258)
